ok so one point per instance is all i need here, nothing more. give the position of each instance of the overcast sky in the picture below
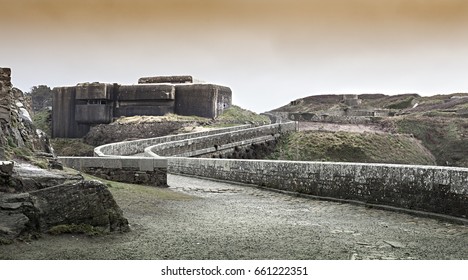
(268, 51)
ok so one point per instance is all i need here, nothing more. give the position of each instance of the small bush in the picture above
(4, 241)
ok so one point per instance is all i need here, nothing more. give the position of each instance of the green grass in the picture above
(71, 147)
(126, 190)
(401, 104)
(43, 120)
(4, 241)
(351, 147)
(446, 138)
(238, 115)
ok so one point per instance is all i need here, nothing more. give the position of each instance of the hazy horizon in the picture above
(268, 51)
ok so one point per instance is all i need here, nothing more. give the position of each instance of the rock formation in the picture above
(33, 197)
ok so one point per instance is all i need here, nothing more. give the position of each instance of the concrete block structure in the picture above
(75, 109)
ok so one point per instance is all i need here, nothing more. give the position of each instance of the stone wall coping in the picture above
(151, 151)
(429, 167)
(98, 151)
(121, 162)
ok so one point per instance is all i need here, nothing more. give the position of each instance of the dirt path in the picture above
(201, 219)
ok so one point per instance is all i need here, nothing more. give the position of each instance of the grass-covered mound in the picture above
(238, 115)
(71, 147)
(446, 138)
(352, 147)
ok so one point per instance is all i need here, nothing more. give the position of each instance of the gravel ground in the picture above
(201, 219)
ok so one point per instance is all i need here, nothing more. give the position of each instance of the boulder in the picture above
(85, 202)
(27, 177)
(6, 168)
(79, 203)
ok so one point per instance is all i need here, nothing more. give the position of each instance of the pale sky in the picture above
(268, 51)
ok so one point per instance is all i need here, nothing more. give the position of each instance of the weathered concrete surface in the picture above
(93, 113)
(64, 124)
(75, 108)
(167, 79)
(146, 92)
(87, 91)
(442, 190)
(204, 100)
(146, 99)
(231, 221)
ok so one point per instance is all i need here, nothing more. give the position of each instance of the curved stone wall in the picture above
(126, 148)
(220, 141)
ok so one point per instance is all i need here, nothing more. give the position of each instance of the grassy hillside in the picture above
(238, 115)
(450, 104)
(440, 122)
(446, 138)
(352, 147)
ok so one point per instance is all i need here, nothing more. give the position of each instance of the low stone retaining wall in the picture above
(137, 146)
(442, 190)
(218, 142)
(135, 170)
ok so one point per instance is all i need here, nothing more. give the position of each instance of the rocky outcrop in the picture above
(17, 131)
(84, 202)
(35, 199)
(27, 177)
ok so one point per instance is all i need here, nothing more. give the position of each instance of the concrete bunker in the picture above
(76, 108)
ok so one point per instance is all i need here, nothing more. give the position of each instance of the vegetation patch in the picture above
(351, 147)
(4, 241)
(125, 191)
(86, 229)
(238, 115)
(43, 120)
(401, 104)
(71, 147)
(446, 138)
(166, 118)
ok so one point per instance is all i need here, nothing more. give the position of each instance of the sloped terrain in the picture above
(446, 138)
(440, 122)
(451, 103)
(352, 147)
